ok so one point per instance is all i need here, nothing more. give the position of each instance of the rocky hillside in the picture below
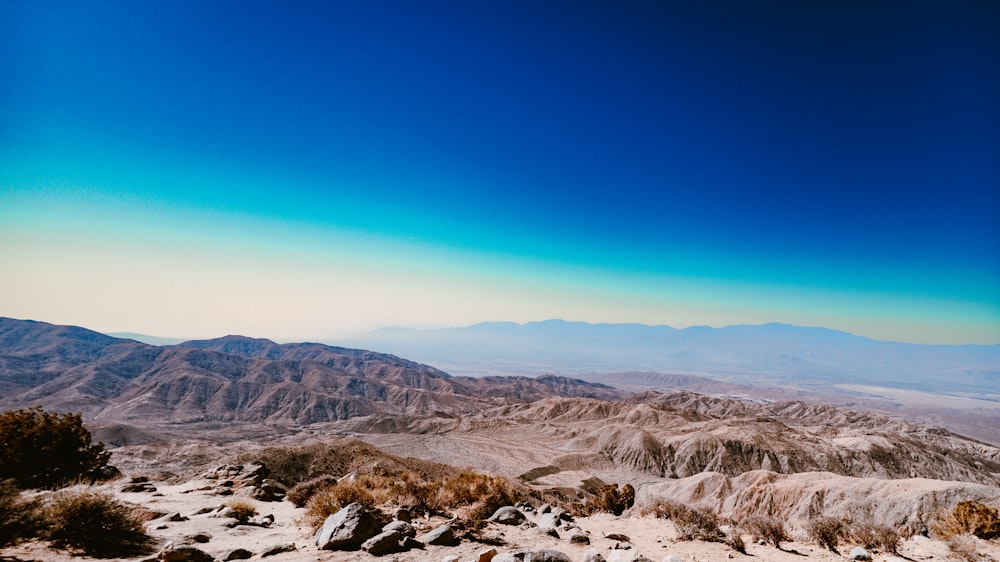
(683, 434)
(239, 379)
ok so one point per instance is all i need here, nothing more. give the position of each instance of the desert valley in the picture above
(282, 415)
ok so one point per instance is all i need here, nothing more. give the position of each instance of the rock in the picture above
(175, 517)
(410, 543)
(225, 512)
(185, 554)
(859, 553)
(626, 556)
(277, 549)
(673, 558)
(508, 515)
(549, 521)
(347, 529)
(550, 532)
(203, 511)
(450, 558)
(545, 509)
(138, 479)
(486, 555)
(385, 542)
(238, 554)
(199, 537)
(138, 487)
(579, 538)
(267, 520)
(520, 555)
(547, 555)
(401, 527)
(592, 555)
(403, 514)
(618, 537)
(442, 536)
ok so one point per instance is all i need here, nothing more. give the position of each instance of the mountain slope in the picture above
(237, 379)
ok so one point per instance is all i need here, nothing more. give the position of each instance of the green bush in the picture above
(96, 524)
(19, 518)
(42, 449)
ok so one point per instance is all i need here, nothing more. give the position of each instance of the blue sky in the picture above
(316, 169)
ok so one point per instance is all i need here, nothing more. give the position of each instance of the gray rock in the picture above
(409, 543)
(450, 558)
(277, 549)
(138, 487)
(592, 555)
(673, 558)
(347, 529)
(198, 537)
(401, 527)
(238, 554)
(859, 553)
(547, 555)
(519, 555)
(403, 514)
(549, 521)
(441, 536)
(579, 538)
(385, 542)
(626, 556)
(545, 509)
(550, 532)
(508, 515)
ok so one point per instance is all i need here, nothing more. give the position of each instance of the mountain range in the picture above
(779, 354)
(235, 378)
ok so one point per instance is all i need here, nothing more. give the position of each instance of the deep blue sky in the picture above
(833, 163)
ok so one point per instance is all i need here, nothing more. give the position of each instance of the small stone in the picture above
(859, 553)
(442, 536)
(199, 537)
(403, 514)
(508, 515)
(277, 549)
(238, 554)
(385, 542)
(486, 555)
(592, 555)
(579, 538)
(185, 554)
(410, 543)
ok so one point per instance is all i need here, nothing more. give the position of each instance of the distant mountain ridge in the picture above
(774, 353)
(235, 378)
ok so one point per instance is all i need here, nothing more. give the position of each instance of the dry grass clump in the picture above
(827, 532)
(766, 528)
(701, 524)
(242, 511)
(96, 524)
(476, 496)
(969, 518)
(19, 518)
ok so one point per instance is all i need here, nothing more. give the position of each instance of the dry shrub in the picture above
(482, 494)
(701, 524)
(96, 524)
(734, 540)
(964, 548)
(766, 528)
(827, 532)
(19, 518)
(969, 518)
(873, 535)
(242, 510)
(610, 498)
(299, 494)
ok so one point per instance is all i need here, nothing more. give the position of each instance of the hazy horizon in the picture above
(320, 171)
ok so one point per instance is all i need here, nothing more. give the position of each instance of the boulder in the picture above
(347, 529)
(579, 538)
(549, 521)
(409, 543)
(592, 555)
(401, 527)
(403, 514)
(198, 537)
(442, 536)
(385, 542)
(859, 553)
(508, 515)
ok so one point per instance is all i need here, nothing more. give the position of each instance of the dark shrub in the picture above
(42, 449)
(768, 529)
(19, 518)
(827, 532)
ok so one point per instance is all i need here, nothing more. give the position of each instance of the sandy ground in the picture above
(654, 538)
